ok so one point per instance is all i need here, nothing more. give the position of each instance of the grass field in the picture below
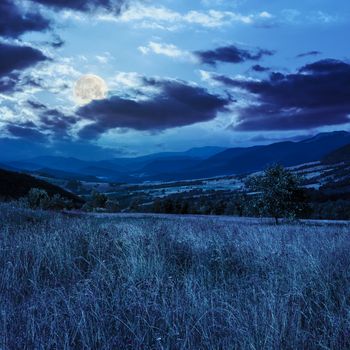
(171, 283)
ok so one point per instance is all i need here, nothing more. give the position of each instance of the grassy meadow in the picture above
(171, 283)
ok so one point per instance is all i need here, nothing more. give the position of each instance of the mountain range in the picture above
(192, 164)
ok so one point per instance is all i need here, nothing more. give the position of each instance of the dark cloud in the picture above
(309, 53)
(85, 5)
(53, 121)
(15, 57)
(316, 95)
(176, 104)
(57, 123)
(57, 42)
(260, 69)
(231, 54)
(36, 105)
(27, 132)
(14, 21)
(325, 67)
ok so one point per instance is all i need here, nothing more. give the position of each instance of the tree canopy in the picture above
(278, 193)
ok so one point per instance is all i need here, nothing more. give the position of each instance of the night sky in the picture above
(180, 74)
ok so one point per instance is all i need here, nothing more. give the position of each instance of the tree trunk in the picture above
(276, 220)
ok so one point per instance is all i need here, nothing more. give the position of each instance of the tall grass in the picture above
(84, 283)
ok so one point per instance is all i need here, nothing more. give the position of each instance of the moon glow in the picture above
(88, 88)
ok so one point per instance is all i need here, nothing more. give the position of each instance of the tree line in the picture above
(276, 193)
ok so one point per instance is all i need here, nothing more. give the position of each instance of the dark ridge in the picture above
(14, 185)
(341, 154)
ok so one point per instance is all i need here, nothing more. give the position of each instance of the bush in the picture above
(98, 200)
(112, 206)
(59, 203)
(38, 199)
(87, 207)
(74, 185)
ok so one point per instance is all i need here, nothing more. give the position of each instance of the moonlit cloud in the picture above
(297, 17)
(168, 50)
(164, 18)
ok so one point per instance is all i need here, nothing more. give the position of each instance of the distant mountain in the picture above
(338, 156)
(64, 175)
(251, 159)
(204, 152)
(105, 174)
(137, 164)
(175, 164)
(21, 165)
(7, 167)
(195, 163)
(61, 163)
(121, 169)
(14, 185)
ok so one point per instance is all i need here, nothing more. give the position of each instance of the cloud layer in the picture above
(14, 21)
(15, 57)
(160, 17)
(85, 5)
(175, 104)
(309, 53)
(318, 94)
(231, 54)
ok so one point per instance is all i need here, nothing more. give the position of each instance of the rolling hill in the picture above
(14, 185)
(250, 159)
(195, 163)
(117, 169)
(339, 155)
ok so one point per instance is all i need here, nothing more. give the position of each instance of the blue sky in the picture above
(181, 74)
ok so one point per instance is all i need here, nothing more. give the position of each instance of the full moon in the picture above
(88, 88)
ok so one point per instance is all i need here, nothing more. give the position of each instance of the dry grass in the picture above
(179, 283)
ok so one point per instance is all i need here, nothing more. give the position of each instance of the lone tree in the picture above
(278, 194)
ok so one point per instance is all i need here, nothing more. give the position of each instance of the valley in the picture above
(322, 162)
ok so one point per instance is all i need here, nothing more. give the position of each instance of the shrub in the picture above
(87, 207)
(74, 185)
(38, 199)
(59, 203)
(98, 200)
(112, 206)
